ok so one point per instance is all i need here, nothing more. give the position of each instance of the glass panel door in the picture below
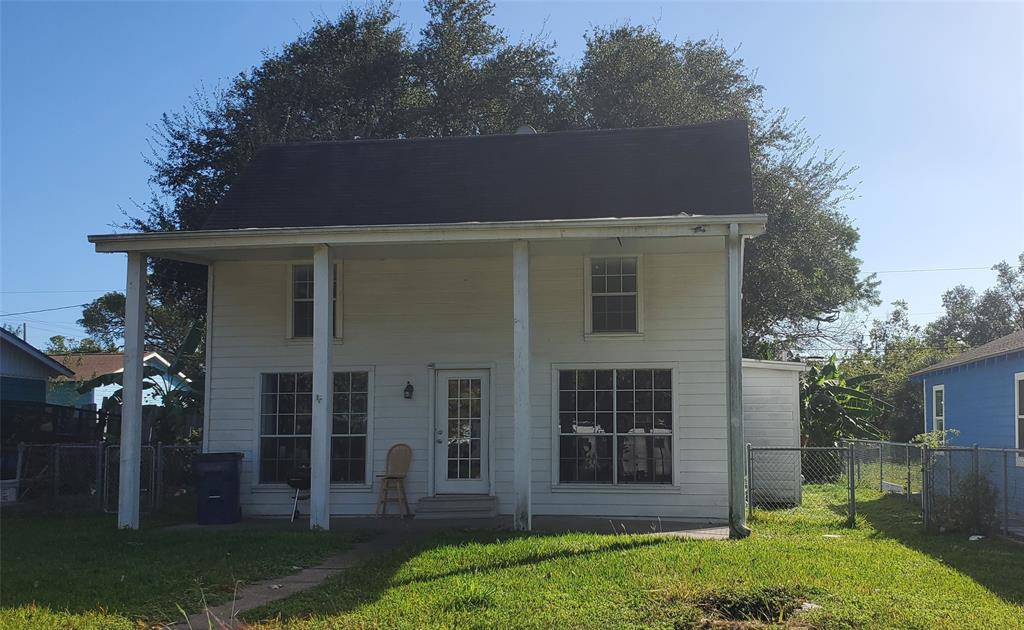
(460, 447)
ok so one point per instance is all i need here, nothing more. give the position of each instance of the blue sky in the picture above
(926, 99)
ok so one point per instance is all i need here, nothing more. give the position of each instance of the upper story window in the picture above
(939, 409)
(301, 311)
(613, 288)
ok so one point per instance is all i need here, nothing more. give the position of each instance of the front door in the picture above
(461, 432)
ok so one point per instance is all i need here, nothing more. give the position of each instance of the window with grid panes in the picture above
(613, 295)
(286, 407)
(302, 301)
(615, 426)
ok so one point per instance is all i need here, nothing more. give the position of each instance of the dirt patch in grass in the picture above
(768, 604)
(740, 608)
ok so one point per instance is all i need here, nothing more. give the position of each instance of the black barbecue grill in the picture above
(299, 479)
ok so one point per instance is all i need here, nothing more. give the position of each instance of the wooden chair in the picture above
(393, 480)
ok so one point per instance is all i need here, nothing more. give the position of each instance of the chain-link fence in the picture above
(788, 477)
(974, 489)
(888, 467)
(85, 477)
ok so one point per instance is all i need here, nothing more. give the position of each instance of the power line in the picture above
(67, 291)
(934, 269)
(44, 310)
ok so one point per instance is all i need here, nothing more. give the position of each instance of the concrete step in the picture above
(457, 506)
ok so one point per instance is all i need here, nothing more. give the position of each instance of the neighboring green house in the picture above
(86, 366)
(25, 370)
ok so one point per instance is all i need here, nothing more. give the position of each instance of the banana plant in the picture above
(835, 406)
(181, 397)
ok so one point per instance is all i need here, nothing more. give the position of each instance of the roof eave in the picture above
(941, 367)
(750, 225)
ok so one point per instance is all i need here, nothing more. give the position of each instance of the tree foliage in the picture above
(361, 75)
(894, 349)
(972, 319)
(59, 344)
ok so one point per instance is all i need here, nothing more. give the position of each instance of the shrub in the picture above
(971, 509)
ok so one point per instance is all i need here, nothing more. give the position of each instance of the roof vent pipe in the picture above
(525, 129)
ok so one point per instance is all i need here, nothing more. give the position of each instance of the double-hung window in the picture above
(286, 408)
(615, 426)
(939, 410)
(300, 314)
(613, 296)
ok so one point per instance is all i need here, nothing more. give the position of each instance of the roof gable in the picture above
(660, 171)
(88, 365)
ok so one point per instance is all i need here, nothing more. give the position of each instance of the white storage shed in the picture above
(771, 417)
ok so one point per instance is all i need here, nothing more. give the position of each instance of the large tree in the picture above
(972, 319)
(360, 76)
(802, 273)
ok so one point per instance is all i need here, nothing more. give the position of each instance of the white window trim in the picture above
(1018, 409)
(935, 416)
(588, 321)
(366, 486)
(289, 330)
(631, 488)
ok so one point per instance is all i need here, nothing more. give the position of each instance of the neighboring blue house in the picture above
(980, 393)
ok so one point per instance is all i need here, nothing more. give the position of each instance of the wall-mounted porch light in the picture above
(409, 389)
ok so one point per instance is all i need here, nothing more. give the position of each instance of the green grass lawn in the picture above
(883, 573)
(80, 571)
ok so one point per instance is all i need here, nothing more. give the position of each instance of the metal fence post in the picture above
(909, 482)
(925, 485)
(56, 472)
(853, 493)
(750, 480)
(99, 473)
(881, 469)
(158, 484)
(1006, 494)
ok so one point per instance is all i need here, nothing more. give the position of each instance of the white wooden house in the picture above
(551, 321)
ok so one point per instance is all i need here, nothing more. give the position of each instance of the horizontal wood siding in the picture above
(402, 315)
(771, 417)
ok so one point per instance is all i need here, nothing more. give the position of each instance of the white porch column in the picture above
(734, 367)
(521, 382)
(131, 409)
(323, 391)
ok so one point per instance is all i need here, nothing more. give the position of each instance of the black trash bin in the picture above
(217, 487)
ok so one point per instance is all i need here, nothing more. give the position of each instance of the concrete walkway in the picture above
(257, 594)
(392, 533)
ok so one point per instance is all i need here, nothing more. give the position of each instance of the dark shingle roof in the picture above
(1014, 342)
(699, 169)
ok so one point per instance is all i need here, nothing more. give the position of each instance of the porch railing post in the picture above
(522, 508)
(323, 390)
